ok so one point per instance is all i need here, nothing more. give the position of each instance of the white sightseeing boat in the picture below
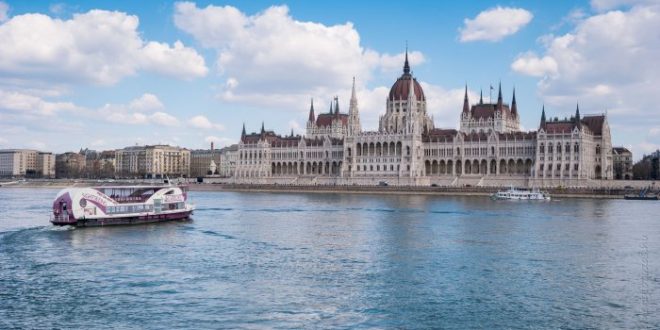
(120, 205)
(516, 194)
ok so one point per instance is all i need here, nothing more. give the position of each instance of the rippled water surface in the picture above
(256, 260)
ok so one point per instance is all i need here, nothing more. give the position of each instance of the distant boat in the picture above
(120, 205)
(516, 194)
(643, 195)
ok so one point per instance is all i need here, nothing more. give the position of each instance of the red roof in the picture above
(486, 111)
(517, 136)
(440, 135)
(559, 126)
(595, 123)
(401, 88)
(325, 119)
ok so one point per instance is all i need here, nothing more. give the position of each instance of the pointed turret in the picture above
(262, 128)
(243, 132)
(499, 98)
(331, 111)
(514, 105)
(466, 103)
(542, 117)
(481, 96)
(353, 113)
(406, 65)
(353, 97)
(336, 105)
(578, 120)
(312, 117)
(291, 132)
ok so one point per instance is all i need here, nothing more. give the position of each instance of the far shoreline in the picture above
(591, 193)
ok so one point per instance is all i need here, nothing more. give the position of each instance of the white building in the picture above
(26, 163)
(407, 149)
(154, 161)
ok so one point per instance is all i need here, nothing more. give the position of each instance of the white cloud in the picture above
(57, 8)
(495, 24)
(164, 119)
(608, 62)
(270, 59)
(4, 11)
(530, 64)
(146, 102)
(98, 46)
(178, 61)
(604, 5)
(32, 105)
(219, 142)
(204, 123)
(137, 112)
(393, 63)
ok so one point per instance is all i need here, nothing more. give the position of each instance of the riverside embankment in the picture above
(609, 193)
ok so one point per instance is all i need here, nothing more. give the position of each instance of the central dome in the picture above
(401, 87)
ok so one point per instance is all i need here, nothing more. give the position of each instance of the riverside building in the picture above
(488, 149)
(155, 161)
(26, 163)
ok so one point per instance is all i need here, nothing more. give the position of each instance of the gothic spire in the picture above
(514, 105)
(291, 132)
(353, 97)
(578, 121)
(337, 105)
(499, 97)
(543, 117)
(311, 112)
(406, 66)
(262, 128)
(466, 103)
(481, 96)
(243, 132)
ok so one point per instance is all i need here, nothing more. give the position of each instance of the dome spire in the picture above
(406, 65)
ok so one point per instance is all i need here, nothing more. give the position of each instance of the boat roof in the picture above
(161, 186)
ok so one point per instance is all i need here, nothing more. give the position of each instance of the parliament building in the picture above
(488, 149)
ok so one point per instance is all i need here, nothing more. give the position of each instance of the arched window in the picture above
(598, 149)
(542, 148)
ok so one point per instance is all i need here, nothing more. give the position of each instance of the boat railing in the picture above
(61, 218)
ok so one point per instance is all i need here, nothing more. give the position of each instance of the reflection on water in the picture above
(336, 260)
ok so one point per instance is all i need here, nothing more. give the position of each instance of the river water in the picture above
(259, 260)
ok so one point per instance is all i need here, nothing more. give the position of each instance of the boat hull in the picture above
(129, 220)
(641, 198)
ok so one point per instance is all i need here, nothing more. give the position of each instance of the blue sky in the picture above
(105, 75)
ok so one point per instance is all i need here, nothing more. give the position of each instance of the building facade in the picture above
(70, 165)
(154, 161)
(26, 163)
(488, 149)
(622, 163)
(205, 162)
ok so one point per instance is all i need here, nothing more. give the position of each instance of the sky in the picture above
(109, 74)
